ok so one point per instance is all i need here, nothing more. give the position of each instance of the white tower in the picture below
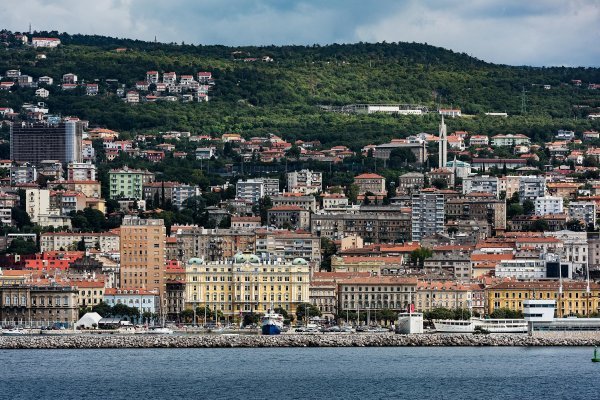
(443, 145)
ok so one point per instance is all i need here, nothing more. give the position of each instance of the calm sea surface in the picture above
(306, 373)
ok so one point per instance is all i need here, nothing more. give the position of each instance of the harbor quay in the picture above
(300, 340)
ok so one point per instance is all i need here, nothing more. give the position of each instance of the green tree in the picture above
(103, 309)
(21, 246)
(513, 210)
(261, 209)
(418, 256)
(352, 195)
(81, 245)
(328, 249)
(187, 316)
(540, 225)
(439, 313)
(575, 225)
(528, 207)
(439, 183)
(282, 311)
(302, 309)
(506, 313)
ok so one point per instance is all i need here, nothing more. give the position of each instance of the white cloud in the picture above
(565, 35)
(541, 32)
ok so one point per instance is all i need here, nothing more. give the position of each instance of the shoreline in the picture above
(257, 341)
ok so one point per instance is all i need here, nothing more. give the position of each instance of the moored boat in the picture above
(159, 331)
(13, 332)
(454, 326)
(272, 323)
(502, 325)
(494, 325)
(409, 322)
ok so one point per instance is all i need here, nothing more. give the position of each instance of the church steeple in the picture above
(443, 145)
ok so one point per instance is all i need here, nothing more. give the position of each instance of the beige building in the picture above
(370, 183)
(105, 242)
(375, 265)
(35, 306)
(410, 182)
(91, 292)
(376, 293)
(142, 246)
(306, 202)
(443, 294)
(37, 203)
(245, 222)
(288, 245)
(89, 188)
(246, 284)
(323, 290)
(290, 217)
(334, 200)
(212, 244)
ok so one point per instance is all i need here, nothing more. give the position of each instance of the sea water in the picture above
(301, 373)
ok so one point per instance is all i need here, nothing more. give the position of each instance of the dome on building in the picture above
(253, 259)
(240, 258)
(299, 261)
(195, 260)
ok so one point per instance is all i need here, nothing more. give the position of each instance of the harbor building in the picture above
(247, 285)
(36, 306)
(575, 299)
(369, 294)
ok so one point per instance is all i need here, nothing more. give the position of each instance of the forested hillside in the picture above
(283, 96)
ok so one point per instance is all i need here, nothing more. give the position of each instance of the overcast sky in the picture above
(517, 32)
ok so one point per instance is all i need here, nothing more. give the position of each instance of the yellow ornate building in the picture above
(247, 284)
(574, 298)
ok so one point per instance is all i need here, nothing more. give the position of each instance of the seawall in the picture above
(255, 341)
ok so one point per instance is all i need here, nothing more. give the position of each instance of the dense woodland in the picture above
(283, 96)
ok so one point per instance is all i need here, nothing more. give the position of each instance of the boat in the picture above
(454, 326)
(272, 323)
(13, 332)
(159, 330)
(494, 325)
(502, 325)
(409, 322)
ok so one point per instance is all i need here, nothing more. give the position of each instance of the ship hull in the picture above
(270, 330)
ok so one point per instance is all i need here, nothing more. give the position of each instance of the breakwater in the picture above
(251, 341)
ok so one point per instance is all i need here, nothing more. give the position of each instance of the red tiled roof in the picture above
(368, 176)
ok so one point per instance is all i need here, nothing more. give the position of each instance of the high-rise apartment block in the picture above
(427, 214)
(142, 246)
(37, 142)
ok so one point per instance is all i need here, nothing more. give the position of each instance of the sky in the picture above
(514, 32)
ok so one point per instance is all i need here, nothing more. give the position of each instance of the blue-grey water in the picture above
(303, 373)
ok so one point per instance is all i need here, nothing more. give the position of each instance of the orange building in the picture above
(143, 254)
